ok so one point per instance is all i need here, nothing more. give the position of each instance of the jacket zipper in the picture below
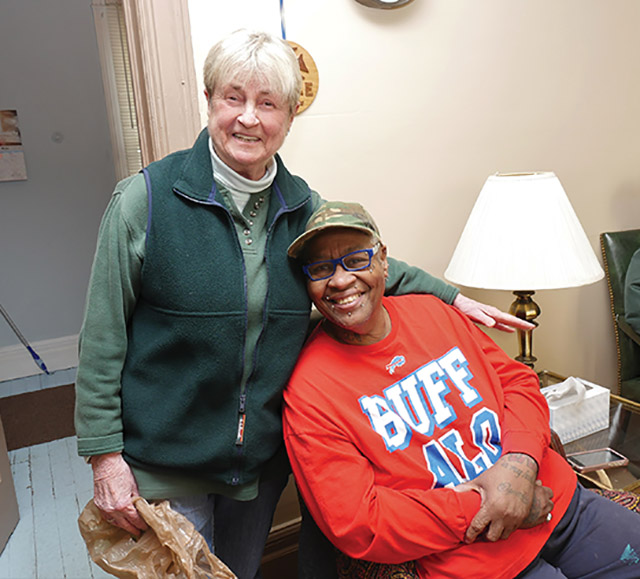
(242, 415)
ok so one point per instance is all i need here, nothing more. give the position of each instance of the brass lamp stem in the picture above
(526, 309)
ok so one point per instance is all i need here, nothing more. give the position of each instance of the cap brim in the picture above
(296, 248)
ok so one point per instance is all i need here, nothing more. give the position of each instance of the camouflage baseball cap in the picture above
(335, 214)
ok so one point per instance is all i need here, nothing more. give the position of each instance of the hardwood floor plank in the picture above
(75, 559)
(47, 539)
(81, 472)
(83, 483)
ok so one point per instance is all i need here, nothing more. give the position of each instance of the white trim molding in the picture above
(163, 73)
(57, 354)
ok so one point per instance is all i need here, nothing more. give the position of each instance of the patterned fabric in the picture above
(356, 569)
(628, 500)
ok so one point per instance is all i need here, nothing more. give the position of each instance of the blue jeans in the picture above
(236, 531)
(596, 538)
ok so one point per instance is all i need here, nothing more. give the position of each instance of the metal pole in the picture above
(17, 332)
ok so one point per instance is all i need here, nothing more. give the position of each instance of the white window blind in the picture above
(116, 74)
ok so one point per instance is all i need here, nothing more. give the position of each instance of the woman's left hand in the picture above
(490, 316)
(507, 489)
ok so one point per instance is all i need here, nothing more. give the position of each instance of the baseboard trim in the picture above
(283, 540)
(57, 354)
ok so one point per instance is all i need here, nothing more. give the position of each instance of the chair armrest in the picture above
(627, 329)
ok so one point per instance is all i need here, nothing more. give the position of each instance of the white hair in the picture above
(248, 55)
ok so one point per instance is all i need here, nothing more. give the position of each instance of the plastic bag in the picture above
(171, 547)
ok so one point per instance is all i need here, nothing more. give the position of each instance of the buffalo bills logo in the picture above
(395, 363)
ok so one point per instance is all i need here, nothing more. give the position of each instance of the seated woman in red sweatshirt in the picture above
(412, 436)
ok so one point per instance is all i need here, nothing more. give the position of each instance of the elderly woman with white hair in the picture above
(195, 316)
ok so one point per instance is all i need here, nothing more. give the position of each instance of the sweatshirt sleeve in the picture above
(111, 298)
(525, 424)
(360, 517)
(406, 279)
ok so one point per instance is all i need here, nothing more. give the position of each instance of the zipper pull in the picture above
(240, 434)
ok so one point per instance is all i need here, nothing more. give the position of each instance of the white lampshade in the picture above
(523, 234)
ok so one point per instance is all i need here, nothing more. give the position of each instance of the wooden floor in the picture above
(53, 484)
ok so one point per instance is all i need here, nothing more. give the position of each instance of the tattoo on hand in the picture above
(529, 474)
(506, 489)
(534, 512)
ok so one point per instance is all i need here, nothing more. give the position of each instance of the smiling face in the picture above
(247, 124)
(351, 301)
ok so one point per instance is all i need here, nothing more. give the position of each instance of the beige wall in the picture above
(417, 106)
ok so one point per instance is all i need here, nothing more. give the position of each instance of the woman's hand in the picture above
(490, 316)
(114, 488)
(510, 493)
(541, 507)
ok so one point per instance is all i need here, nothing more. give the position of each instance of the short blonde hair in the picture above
(247, 55)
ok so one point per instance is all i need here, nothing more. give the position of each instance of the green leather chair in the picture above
(617, 249)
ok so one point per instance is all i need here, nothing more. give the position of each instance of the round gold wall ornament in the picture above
(310, 78)
(384, 4)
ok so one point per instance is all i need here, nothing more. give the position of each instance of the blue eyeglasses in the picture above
(354, 261)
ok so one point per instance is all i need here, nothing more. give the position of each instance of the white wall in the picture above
(418, 106)
(48, 224)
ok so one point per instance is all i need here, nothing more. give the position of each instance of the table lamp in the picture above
(523, 235)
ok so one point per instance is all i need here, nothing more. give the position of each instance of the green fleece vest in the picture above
(182, 404)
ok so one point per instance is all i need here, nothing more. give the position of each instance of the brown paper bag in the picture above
(170, 548)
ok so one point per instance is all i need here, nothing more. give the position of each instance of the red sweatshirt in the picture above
(379, 435)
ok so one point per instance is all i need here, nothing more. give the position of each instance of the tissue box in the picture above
(577, 408)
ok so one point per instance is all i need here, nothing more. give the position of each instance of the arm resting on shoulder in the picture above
(405, 279)
(490, 316)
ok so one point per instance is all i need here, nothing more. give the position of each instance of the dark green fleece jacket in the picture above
(187, 334)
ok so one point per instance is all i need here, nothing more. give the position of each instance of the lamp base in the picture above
(526, 309)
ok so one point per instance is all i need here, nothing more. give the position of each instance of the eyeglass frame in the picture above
(370, 251)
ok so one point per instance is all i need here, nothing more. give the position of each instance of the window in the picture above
(118, 85)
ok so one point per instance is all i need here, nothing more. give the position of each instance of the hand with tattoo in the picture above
(541, 506)
(511, 498)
